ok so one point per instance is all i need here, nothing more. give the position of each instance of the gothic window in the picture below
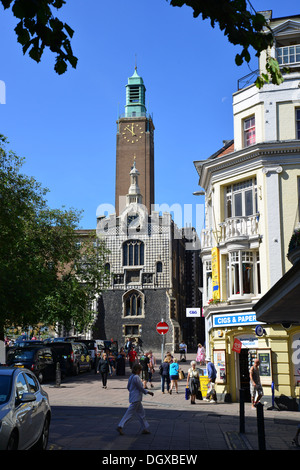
(133, 304)
(133, 253)
(159, 267)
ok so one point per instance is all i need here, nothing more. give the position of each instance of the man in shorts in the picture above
(256, 389)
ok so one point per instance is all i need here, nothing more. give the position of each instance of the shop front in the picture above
(236, 339)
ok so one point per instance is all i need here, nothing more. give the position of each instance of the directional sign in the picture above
(162, 328)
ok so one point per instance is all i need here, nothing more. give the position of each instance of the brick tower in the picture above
(135, 140)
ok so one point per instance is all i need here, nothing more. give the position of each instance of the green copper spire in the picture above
(135, 96)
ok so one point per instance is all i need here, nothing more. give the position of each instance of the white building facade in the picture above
(252, 193)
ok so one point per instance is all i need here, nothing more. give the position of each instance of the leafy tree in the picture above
(38, 28)
(39, 258)
(243, 27)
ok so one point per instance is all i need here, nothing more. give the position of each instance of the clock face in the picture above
(132, 132)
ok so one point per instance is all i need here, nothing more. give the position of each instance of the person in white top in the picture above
(136, 392)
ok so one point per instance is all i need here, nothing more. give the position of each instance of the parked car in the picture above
(39, 359)
(25, 412)
(104, 344)
(92, 348)
(73, 357)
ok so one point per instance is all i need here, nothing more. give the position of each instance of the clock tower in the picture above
(135, 140)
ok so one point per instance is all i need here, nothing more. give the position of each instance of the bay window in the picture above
(243, 273)
(241, 198)
(298, 123)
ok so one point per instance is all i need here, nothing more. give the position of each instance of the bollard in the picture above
(57, 375)
(242, 411)
(260, 426)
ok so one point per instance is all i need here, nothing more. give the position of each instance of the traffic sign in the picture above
(162, 328)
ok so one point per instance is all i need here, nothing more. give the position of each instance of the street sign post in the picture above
(162, 328)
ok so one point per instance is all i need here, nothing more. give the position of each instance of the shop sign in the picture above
(193, 312)
(215, 268)
(234, 319)
(237, 345)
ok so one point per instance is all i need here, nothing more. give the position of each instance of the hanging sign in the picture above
(237, 345)
(215, 268)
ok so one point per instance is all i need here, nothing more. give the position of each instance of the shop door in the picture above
(244, 374)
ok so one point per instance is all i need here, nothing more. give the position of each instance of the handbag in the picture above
(181, 375)
(187, 393)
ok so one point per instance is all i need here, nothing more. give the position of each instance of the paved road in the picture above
(85, 417)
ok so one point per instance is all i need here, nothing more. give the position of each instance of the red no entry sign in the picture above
(162, 328)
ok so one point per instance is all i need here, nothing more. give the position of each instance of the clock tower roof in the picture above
(135, 96)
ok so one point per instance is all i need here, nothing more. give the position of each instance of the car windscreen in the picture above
(20, 354)
(5, 388)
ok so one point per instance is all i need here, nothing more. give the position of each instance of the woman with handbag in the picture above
(193, 381)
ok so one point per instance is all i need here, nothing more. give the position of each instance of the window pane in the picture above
(248, 202)
(247, 278)
(238, 209)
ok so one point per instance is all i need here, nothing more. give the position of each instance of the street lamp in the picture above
(199, 193)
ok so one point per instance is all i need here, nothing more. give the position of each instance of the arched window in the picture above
(159, 267)
(133, 253)
(133, 304)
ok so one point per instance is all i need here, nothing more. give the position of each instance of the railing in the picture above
(232, 228)
(247, 79)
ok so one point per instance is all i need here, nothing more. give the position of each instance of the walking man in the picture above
(212, 375)
(136, 392)
(255, 385)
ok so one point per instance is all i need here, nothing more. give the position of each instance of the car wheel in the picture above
(43, 440)
(12, 441)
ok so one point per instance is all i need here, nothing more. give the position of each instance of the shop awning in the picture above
(281, 304)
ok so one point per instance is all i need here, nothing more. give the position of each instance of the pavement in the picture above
(85, 417)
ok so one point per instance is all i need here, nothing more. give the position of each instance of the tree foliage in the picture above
(41, 268)
(39, 28)
(243, 27)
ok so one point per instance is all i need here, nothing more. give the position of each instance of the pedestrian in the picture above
(174, 375)
(112, 362)
(132, 356)
(193, 381)
(128, 345)
(152, 365)
(200, 354)
(165, 374)
(144, 361)
(136, 392)
(183, 351)
(256, 389)
(212, 375)
(120, 362)
(103, 369)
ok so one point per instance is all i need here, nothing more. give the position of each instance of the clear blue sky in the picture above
(65, 126)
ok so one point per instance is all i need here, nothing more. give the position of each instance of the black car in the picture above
(73, 357)
(39, 359)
